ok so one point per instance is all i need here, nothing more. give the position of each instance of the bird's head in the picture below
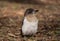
(30, 11)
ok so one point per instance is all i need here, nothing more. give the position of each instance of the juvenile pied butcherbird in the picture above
(30, 22)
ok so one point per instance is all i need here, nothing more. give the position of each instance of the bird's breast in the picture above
(29, 27)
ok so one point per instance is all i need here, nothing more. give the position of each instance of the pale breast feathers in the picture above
(29, 27)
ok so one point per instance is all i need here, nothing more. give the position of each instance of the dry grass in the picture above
(11, 15)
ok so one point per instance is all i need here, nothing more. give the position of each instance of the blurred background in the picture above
(12, 14)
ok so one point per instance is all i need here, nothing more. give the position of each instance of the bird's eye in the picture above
(36, 10)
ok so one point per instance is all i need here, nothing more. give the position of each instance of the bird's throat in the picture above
(31, 18)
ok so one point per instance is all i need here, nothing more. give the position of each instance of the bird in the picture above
(30, 22)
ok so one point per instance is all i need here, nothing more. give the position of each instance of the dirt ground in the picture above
(11, 15)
